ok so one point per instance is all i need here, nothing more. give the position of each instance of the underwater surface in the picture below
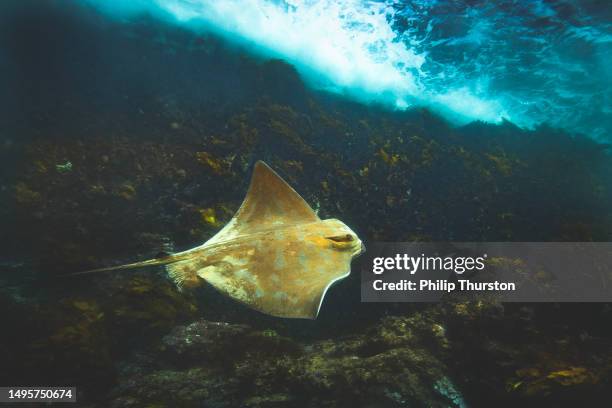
(528, 62)
(130, 129)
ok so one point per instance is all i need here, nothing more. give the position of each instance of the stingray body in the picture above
(275, 255)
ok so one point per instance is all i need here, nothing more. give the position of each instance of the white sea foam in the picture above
(479, 62)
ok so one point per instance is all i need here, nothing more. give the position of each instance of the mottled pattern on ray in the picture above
(285, 272)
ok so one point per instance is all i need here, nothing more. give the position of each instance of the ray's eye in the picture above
(341, 238)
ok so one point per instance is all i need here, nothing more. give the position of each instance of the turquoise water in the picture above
(528, 62)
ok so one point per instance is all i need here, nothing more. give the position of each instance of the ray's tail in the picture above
(169, 259)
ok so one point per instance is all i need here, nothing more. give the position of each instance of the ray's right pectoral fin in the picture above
(269, 202)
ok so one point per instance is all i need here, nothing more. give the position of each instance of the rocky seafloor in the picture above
(425, 359)
(140, 162)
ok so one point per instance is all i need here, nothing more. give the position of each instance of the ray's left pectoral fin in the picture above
(302, 293)
(299, 293)
(317, 301)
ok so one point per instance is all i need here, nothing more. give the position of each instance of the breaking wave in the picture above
(525, 61)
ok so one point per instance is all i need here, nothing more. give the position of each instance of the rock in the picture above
(214, 363)
(209, 341)
(203, 340)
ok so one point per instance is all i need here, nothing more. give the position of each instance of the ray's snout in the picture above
(359, 247)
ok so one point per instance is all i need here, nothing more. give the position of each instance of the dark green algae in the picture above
(87, 185)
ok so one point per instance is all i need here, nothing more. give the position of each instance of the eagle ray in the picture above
(275, 255)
